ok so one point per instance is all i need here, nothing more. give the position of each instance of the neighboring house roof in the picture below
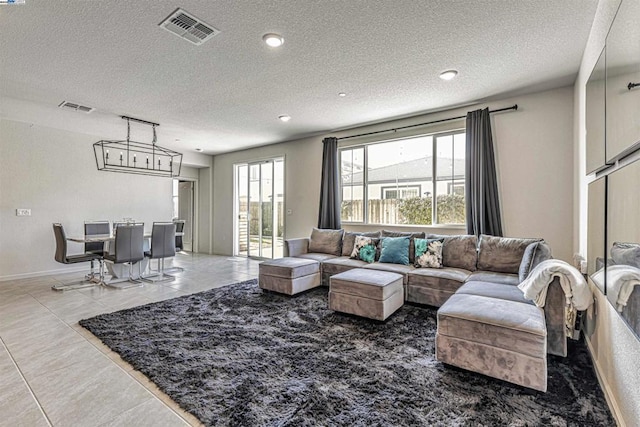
(412, 170)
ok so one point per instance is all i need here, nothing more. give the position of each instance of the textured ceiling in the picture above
(227, 94)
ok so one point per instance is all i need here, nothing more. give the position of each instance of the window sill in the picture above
(421, 227)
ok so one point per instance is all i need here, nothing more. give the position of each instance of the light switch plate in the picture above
(23, 212)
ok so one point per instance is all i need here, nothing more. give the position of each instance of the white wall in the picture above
(614, 349)
(53, 173)
(535, 167)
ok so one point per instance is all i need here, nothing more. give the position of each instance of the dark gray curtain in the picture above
(329, 216)
(481, 188)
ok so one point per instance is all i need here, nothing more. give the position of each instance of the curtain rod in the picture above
(513, 107)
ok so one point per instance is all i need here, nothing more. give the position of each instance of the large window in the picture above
(394, 182)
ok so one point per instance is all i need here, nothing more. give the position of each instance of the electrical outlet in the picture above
(23, 212)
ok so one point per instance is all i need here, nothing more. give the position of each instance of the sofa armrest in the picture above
(554, 307)
(295, 247)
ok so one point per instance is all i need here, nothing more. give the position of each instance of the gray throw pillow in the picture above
(626, 253)
(534, 254)
(502, 254)
(350, 238)
(458, 251)
(411, 235)
(326, 241)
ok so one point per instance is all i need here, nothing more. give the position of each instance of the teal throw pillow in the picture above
(395, 250)
(429, 253)
(368, 253)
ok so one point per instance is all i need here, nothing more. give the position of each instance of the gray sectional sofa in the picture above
(487, 268)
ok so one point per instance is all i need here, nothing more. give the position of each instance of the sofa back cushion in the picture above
(412, 248)
(326, 241)
(502, 254)
(350, 238)
(626, 254)
(395, 250)
(458, 251)
(534, 254)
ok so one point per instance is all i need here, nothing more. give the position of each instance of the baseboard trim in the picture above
(604, 385)
(42, 273)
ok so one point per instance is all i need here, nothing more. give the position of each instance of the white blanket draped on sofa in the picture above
(621, 279)
(578, 295)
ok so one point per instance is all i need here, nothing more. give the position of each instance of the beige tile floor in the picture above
(55, 373)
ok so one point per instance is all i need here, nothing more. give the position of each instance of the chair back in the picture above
(129, 243)
(163, 240)
(93, 228)
(61, 243)
(179, 229)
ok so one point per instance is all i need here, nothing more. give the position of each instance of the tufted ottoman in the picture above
(367, 293)
(495, 337)
(289, 275)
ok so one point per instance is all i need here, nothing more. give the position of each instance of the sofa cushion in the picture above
(366, 283)
(502, 254)
(534, 254)
(496, 322)
(349, 238)
(326, 241)
(316, 256)
(412, 251)
(446, 279)
(626, 253)
(493, 277)
(340, 264)
(493, 290)
(428, 253)
(458, 251)
(289, 268)
(395, 250)
(392, 268)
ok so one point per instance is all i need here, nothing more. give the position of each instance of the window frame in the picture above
(434, 181)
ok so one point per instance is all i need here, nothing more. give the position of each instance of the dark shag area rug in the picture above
(240, 356)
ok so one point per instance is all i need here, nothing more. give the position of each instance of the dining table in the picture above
(118, 271)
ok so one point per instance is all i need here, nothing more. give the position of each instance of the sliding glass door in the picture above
(259, 203)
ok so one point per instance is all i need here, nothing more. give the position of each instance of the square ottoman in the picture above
(368, 293)
(495, 337)
(289, 275)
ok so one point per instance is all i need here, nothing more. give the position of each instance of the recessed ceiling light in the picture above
(199, 150)
(342, 94)
(448, 75)
(284, 118)
(273, 40)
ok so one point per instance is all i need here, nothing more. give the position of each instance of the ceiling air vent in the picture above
(75, 107)
(188, 27)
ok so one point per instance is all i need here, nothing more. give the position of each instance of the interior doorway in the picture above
(184, 208)
(259, 209)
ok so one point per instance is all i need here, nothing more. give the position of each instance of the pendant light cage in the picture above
(135, 157)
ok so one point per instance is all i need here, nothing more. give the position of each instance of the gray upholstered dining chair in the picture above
(179, 243)
(128, 249)
(163, 245)
(95, 228)
(63, 257)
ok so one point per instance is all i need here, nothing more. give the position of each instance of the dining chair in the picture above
(94, 228)
(128, 249)
(179, 233)
(179, 243)
(163, 245)
(63, 257)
